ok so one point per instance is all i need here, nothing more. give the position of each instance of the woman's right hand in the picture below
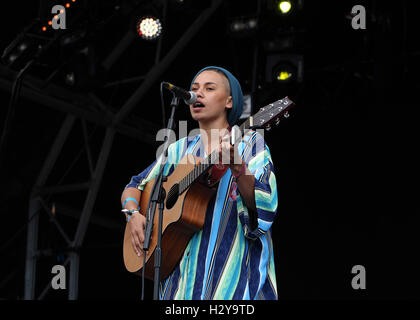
(137, 225)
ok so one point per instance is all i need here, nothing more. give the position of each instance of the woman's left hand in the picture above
(229, 155)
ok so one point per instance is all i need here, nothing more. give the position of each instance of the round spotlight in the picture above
(284, 6)
(149, 28)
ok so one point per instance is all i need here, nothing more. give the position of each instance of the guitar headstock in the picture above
(271, 114)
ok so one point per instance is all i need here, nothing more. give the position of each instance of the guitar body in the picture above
(180, 222)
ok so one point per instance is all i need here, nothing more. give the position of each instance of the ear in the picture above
(229, 103)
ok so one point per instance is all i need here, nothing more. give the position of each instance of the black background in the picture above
(342, 158)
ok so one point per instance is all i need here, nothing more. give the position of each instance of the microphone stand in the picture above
(158, 196)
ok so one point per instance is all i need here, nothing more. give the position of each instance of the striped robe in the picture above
(226, 259)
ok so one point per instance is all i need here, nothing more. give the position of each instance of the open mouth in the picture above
(198, 105)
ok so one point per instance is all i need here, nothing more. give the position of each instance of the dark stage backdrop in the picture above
(342, 159)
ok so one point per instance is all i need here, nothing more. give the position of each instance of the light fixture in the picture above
(284, 72)
(149, 28)
(19, 50)
(284, 68)
(243, 26)
(284, 6)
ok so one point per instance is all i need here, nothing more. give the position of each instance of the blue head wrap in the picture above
(235, 92)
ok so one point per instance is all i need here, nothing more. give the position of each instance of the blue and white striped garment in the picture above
(227, 259)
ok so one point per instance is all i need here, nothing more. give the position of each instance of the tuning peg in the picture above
(286, 114)
(277, 122)
(268, 127)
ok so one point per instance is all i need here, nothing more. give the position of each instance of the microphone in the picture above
(189, 97)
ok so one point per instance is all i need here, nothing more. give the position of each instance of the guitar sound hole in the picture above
(172, 196)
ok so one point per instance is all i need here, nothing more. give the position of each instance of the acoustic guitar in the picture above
(187, 198)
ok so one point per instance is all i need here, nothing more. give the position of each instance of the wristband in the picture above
(129, 199)
(129, 212)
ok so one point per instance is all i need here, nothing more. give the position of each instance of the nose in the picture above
(199, 92)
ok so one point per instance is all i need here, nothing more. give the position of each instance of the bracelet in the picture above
(129, 199)
(243, 170)
(129, 212)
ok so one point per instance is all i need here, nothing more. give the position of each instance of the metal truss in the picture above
(90, 109)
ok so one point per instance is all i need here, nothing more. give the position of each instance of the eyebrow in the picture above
(197, 83)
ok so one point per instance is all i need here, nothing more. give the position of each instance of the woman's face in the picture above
(213, 97)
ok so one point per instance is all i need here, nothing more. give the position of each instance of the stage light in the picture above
(149, 28)
(283, 75)
(69, 79)
(284, 6)
(12, 58)
(252, 23)
(284, 68)
(56, 15)
(22, 47)
(243, 26)
(284, 72)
